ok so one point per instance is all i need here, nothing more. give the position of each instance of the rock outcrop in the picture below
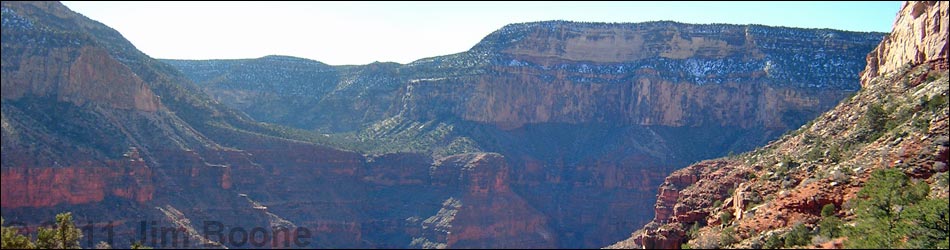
(79, 75)
(46, 187)
(485, 213)
(919, 36)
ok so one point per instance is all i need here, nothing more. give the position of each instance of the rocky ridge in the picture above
(545, 57)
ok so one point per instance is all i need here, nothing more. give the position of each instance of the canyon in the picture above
(544, 135)
(576, 129)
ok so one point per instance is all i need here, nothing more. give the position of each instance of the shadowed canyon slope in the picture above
(584, 119)
(95, 127)
(897, 121)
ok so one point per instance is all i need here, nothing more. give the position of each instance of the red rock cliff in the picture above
(919, 35)
(79, 75)
(485, 213)
(73, 185)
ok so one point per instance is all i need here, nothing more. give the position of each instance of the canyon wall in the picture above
(788, 182)
(510, 100)
(919, 36)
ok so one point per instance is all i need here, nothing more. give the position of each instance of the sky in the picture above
(342, 33)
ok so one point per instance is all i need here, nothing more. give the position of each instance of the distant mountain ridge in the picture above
(681, 53)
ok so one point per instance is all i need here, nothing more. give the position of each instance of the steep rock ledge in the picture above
(920, 35)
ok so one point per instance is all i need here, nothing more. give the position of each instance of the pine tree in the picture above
(798, 236)
(64, 235)
(12, 239)
(67, 235)
(830, 225)
(45, 238)
(882, 210)
(929, 225)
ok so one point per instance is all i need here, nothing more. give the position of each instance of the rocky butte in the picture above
(546, 134)
(897, 121)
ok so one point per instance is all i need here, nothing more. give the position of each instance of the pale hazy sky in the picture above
(339, 33)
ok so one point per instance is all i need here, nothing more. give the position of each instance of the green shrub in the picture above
(693, 230)
(932, 76)
(774, 242)
(944, 179)
(892, 211)
(873, 123)
(830, 227)
(799, 236)
(725, 217)
(787, 164)
(922, 124)
(937, 103)
(814, 154)
(828, 210)
(835, 153)
(727, 237)
(929, 226)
